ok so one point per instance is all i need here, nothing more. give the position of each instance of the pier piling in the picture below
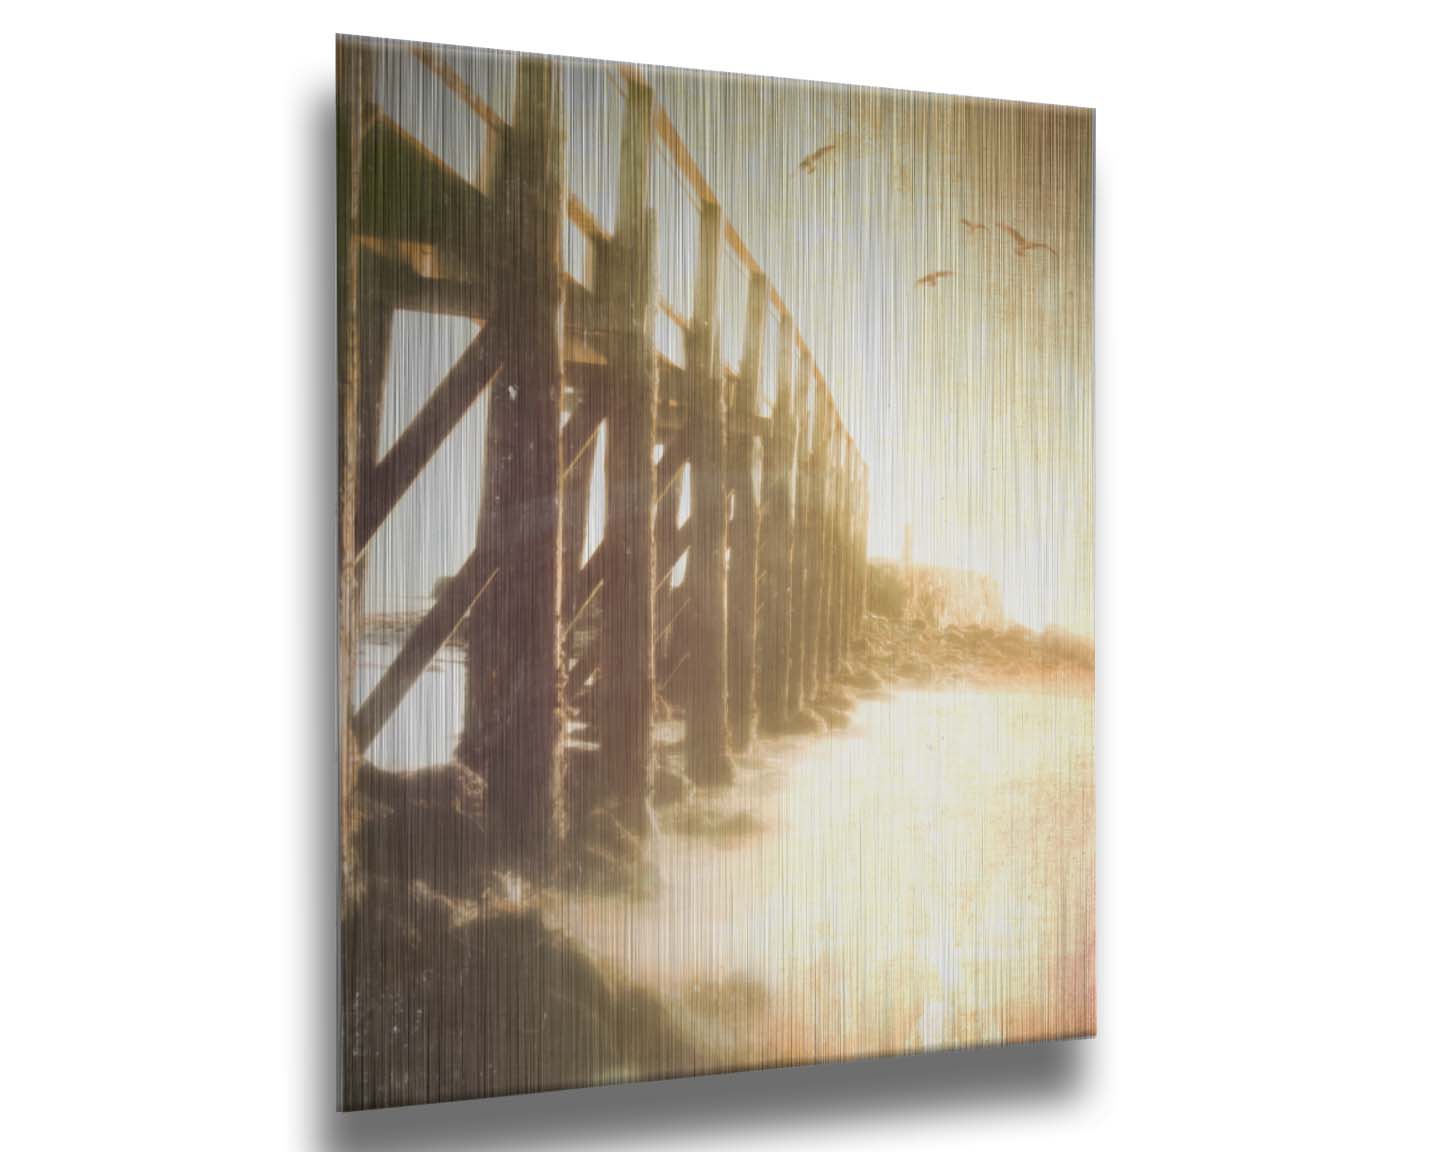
(627, 594)
(745, 519)
(777, 524)
(514, 676)
(706, 708)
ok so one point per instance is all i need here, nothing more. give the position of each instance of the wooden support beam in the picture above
(457, 597)
(586, 664)
(777, 527)
(591, 575)
(672, 669)
(434, 61)
(584, 313)
(670, 546)
(581, 431)
(389, 480)
(410, 195)
(579, 439)
(673, 458)
(669, 556)
(745, 519)
(392, 271)
(665, 625)
(671, 638)
(627, 683)
(667, 525)
(705, 715)
(795, 695)
(515, 684)
(587, 583)
(675, 653)
(418, 276)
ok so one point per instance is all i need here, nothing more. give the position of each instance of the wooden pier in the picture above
(569, 659)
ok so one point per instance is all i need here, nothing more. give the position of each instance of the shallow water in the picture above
(922, 879)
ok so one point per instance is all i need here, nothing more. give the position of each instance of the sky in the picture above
(971, 399)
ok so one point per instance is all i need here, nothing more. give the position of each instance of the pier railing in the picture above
(567, 653)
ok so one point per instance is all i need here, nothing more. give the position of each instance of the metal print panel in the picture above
(715, 572)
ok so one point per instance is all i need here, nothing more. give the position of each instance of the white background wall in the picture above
(1267, 432)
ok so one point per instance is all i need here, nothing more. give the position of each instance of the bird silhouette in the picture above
(1023, 245)
(808, 164)
(930, 279)
(972, 227)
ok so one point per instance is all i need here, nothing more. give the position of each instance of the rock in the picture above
(426, 827)
(517, 1005)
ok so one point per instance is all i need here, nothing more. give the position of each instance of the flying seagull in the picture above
(930, 279)
(1023, 245)
(808, 164)
(972, 227)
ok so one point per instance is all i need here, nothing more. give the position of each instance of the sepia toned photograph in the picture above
(716, 595)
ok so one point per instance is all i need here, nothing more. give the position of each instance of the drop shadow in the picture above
(778, 1101)
(320, 789)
